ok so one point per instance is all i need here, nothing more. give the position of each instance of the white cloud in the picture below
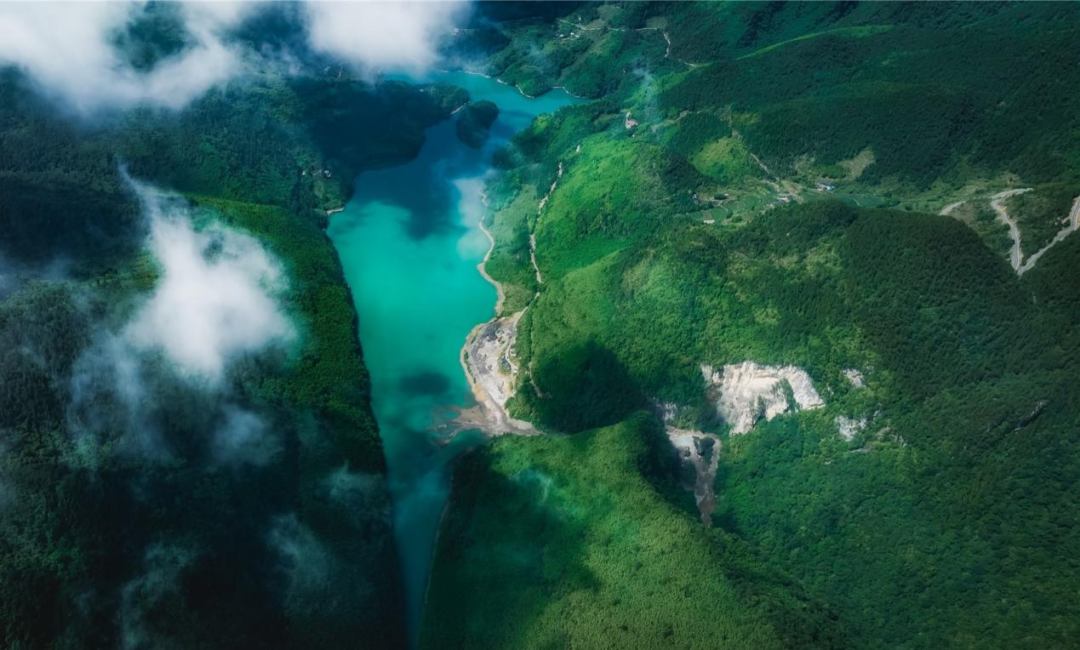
(376, 36)
(67, 49)
(216, 298)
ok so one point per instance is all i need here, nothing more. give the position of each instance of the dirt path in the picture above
(554, 184)
(1070, 227)
(532, 258)
(580, 26)
(489, 357)
(482, 266)
(765, 169)
(997, 202)
(947, 210)
(540, 211)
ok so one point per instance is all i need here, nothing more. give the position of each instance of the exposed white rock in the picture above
(697, 449)
(668, 412)
(747, 392)
(850, 427)
(489, 359)
(855, 378)
(702, 452)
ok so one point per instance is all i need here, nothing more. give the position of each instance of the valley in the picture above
(539, 325)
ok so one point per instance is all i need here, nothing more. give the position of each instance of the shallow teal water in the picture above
(410, 245)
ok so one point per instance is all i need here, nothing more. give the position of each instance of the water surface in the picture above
(409, 244)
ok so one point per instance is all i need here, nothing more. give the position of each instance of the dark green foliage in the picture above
(829, 80)
(121, 521)
(310, 136)
(567, 535)
(154, 34)
(908, 94)
(329, 378)
(474, 121)
(946, 521)
(224, 540)
(594, 390)
(949, 521)
(43, 333)
(47, 168)
(297, 144)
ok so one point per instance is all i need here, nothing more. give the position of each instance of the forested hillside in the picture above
(787, 315)
(762, 182)
(147, 507)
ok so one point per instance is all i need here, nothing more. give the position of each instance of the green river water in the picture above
(409, 243)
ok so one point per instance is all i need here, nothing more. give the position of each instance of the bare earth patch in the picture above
(747, 392)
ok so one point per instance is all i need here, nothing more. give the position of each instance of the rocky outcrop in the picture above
(747, 392)
(490, 362)
(855, 378)
(698, 450)
(850, 427)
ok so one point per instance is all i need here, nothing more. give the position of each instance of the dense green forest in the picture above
(574, 538)
(826, 187)
(724, 199)
(131, 524)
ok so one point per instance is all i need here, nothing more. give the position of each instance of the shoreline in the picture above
(492, 341)
(523, 93)
(482, 266)
(567, 91)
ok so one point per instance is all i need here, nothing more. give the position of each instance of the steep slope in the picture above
(146, 506)
(564, 541)
(716, 206)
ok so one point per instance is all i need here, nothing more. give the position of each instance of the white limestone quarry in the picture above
(747, 392)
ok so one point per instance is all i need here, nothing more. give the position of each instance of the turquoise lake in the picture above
(410, 244)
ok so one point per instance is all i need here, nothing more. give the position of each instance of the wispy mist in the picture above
(217, 296)
(69, 50)
(244, 437)
(217, 300)
(159, 582)
(306, 563)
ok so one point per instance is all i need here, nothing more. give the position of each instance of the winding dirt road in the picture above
(997, 202)
(1070, 227)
